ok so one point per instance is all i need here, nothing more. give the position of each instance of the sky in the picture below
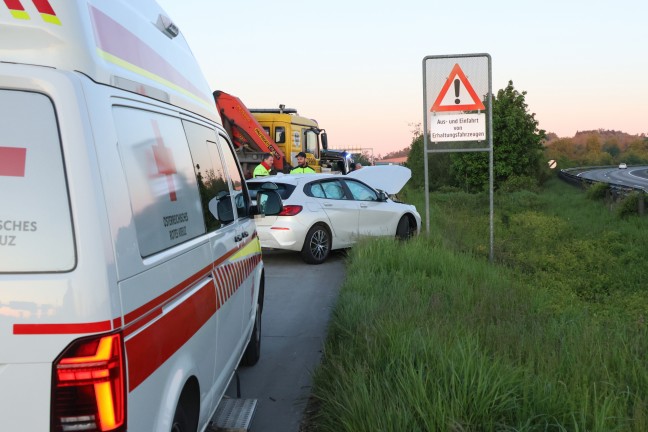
(356, 66)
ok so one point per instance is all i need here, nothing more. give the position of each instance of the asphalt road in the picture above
(298, 303)
(633, 176)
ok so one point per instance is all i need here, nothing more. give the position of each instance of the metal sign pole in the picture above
(457, 115)
(425, 155)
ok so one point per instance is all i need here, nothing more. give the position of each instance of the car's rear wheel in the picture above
(403, 230)
(317, 245)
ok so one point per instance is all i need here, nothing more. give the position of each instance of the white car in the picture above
(622, 165)
(323, 212)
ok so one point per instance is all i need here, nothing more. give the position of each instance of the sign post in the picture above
(461, 87)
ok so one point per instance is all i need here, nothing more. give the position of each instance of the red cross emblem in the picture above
(164, 160)
(12, 161)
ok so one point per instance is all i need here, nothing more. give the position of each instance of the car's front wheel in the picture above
(403, 230)
(317, 245)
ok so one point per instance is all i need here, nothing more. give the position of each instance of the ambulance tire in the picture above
(317, 244)
(403, 231)
(186, 414)
(253, 350)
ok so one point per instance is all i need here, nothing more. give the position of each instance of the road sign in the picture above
(456, 114)
(457, 94)
(458, 127)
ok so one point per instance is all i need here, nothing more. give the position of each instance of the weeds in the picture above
(428, 336)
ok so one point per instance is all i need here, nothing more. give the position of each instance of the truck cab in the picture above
(295, 133)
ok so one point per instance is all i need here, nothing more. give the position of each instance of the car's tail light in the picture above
(290, 210)
(88, 386)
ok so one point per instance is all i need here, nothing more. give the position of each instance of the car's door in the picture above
(331, 195)
(377, 218)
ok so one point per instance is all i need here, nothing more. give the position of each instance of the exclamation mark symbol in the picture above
(456, 84)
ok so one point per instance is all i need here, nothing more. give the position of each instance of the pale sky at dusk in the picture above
(356, 66)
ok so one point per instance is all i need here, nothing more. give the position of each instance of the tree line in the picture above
(521, 151)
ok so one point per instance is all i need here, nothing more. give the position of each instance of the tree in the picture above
(517, 145)
(438, 166)
(363, 158)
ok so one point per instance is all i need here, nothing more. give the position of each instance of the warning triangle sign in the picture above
(457, 94)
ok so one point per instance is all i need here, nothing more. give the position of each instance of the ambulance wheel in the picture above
(253, 350)
(180, 421)
(317, 245)
(403, 231)
(186, 414)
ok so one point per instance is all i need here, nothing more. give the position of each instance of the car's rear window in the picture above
(284, 189)
(35, 221)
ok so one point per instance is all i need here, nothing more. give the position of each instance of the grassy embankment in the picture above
(428, 336)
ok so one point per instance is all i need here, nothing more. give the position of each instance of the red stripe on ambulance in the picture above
(12, 161)
(14, 5)
(44, 7)
(159, 301)
(150, 348)
(51, 329)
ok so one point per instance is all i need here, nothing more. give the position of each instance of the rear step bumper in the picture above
(233, 415)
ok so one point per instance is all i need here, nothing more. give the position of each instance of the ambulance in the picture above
(131, 276)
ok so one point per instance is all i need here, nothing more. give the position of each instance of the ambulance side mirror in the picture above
(221, 208)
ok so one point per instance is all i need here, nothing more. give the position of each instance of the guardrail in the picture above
(616, 191)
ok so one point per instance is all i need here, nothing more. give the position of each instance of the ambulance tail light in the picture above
(89, 386)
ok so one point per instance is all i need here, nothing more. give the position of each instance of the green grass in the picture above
(427, 335)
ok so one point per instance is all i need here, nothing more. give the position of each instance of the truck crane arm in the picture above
(244, 129)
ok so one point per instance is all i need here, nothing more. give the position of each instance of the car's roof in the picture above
(389, 178)
(293, 178)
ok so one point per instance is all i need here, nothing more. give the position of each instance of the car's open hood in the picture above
(389, 178)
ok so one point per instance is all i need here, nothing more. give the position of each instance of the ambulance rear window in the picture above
(35, 221)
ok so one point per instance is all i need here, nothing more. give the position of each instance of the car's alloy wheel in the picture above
(317, 245)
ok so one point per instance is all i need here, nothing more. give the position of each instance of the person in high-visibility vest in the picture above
(302, 165)
(263, 169)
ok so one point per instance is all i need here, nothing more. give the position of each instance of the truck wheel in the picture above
(403, 231)
(317, 245)
(253, 350)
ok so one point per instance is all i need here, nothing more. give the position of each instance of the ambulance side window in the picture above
(239, 187)
(211, 176)
(162, 186)
(36, 232)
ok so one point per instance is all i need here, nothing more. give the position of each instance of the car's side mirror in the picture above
(382, 196)
(269, 202)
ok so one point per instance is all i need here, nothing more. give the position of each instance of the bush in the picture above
(518, 183)
(597, 191)
(629, 205)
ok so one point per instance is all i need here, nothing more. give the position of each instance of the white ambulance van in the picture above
(131, 279)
